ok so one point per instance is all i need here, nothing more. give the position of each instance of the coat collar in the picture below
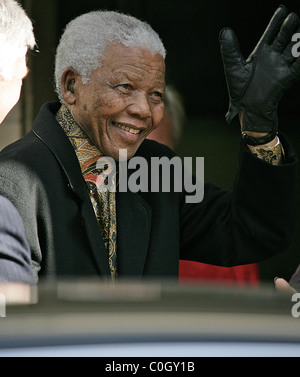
(133, 213)
(47, 129)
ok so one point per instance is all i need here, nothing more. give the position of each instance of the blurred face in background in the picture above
(164, 132)
(10, 89)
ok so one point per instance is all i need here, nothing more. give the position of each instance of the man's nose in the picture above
(140, 106)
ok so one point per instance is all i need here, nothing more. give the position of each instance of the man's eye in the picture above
(125, 86)
(158, 95)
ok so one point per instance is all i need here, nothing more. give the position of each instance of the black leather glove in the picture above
(256, 85)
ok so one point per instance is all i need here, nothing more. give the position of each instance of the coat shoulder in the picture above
(151, 148)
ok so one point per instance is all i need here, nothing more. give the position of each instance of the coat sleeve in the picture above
(15, 256)
(251, 223)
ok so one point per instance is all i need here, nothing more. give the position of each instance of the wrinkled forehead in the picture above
(138, 62)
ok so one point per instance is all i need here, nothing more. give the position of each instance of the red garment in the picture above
(200, 272)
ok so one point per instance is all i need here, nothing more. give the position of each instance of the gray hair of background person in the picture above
(175, 106)
(16, 36)
(85, 38)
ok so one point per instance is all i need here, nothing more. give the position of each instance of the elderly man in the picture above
(110, 80)
(16, 36)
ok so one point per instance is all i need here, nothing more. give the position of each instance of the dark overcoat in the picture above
(41, 175)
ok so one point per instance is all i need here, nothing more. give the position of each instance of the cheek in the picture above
(103, 110)
(99, 111)
(107, 104)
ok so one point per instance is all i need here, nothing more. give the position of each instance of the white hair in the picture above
(16, 36)
(86, 37)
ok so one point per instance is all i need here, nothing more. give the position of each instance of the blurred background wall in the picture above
(189, 30)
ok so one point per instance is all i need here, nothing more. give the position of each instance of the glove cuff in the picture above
(232, 112)
(260, 122)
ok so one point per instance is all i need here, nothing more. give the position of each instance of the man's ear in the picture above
(68, 85)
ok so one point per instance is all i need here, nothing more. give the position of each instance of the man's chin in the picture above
(122, 154)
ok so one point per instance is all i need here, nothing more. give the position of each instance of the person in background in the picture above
(169, 132)
(171, 128)
(16, 37)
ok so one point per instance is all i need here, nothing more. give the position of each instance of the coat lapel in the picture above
(56, 140)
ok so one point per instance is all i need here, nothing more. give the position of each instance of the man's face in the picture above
(10, 89)
(123, 101)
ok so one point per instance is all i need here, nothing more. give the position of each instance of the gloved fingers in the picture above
(282, 40)
(230, 49)
(237, 72)
(273, 26)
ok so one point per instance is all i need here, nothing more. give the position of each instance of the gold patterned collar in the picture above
(83, 147)
(104, 204)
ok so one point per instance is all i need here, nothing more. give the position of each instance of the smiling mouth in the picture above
(127, 128)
